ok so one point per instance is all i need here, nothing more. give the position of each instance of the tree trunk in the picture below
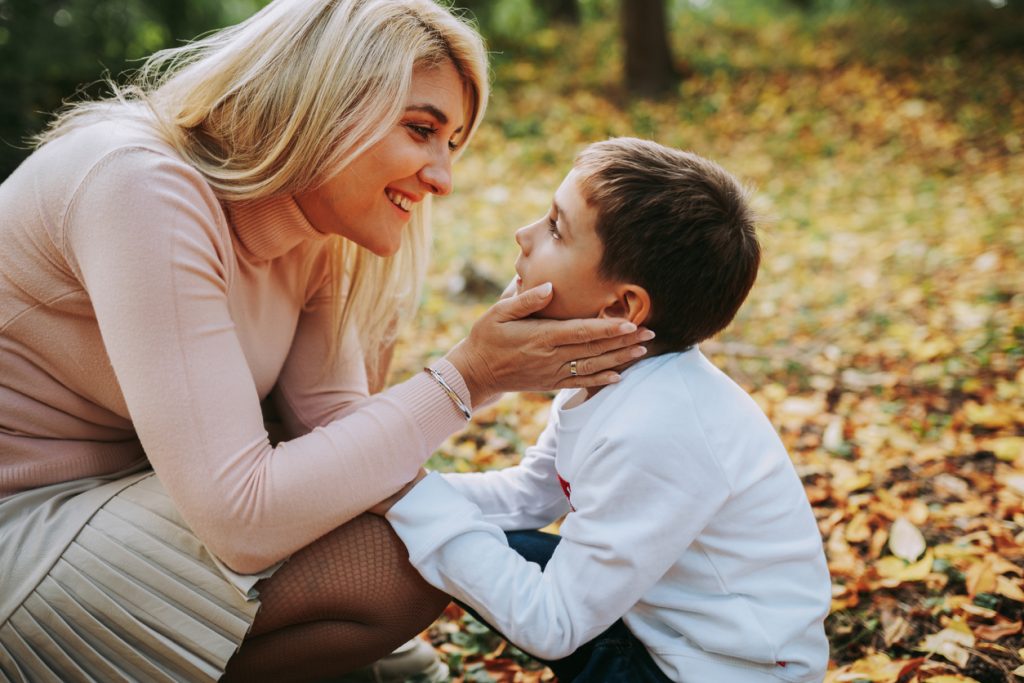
(566, 11)
(648, 70)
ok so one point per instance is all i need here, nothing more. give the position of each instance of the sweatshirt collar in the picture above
(271, 227)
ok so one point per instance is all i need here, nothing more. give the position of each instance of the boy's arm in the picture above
(526, 496)
(632, 521)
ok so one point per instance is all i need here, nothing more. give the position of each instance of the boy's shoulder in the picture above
(680, 382)
(683, 399)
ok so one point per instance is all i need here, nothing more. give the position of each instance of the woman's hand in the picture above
(506, 351)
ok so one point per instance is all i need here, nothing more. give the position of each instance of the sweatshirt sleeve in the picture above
(146, 237)
(526, 496)
(633, 520)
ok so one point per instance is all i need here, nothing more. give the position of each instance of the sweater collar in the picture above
(271, 227)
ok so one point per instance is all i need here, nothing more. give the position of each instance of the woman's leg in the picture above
(341, 602)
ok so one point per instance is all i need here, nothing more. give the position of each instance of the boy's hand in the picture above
(382, 507)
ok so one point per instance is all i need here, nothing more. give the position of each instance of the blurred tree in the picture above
(566, 11)
(52, 50)
(648, 62)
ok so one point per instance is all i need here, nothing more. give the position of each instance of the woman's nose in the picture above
(437, 174)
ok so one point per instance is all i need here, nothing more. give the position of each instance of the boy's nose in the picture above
(522, 239)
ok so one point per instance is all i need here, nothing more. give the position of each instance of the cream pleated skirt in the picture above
(134, 597)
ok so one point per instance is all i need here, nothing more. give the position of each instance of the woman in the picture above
(248, 222)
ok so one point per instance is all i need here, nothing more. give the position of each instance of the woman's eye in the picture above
(553, 229)
(423, 132)
(452, 146)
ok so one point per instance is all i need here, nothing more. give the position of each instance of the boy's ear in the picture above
(632, 302)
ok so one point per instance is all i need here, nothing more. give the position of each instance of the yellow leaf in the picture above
(877, 667)
(918, 512)
(905, 540)
(1015, 482)
(980, 578)
(987, 415)
(919, 570)
(1009, 588)
(896, 570)
(1001, 565)
(951, 642)
(1019, 671)
(956, 678)
(857, 529)
(1006, 448)
(890, 567)
(950, 551)
(851, 482)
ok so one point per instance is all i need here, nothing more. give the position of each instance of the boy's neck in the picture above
(653, 349)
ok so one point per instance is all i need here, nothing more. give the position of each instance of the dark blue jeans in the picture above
(615, 656)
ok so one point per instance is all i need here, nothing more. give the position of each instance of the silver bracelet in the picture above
(451, 392)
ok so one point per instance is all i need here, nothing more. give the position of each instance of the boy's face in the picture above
(563, 248)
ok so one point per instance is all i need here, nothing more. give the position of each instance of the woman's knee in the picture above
(358, 572)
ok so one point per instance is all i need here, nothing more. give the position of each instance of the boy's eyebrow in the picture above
(433, 111)
(566, 227)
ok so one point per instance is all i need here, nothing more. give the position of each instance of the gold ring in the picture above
(572, 368)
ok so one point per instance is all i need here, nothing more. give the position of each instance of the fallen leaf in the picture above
(894, 571)
(1009, 588)
(1006, 448)
(1000, 629)
(857, 529)
(951, 643)
(906, 540)
(989, 415)
(980, 578)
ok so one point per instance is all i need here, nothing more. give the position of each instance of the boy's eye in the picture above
(553, 229)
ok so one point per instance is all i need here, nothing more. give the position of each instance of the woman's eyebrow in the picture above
(441, 117)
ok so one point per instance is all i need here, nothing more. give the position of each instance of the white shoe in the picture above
(411, 662)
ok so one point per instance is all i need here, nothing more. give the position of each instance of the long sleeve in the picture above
(632, 521)
(157, 269)
(526, 496)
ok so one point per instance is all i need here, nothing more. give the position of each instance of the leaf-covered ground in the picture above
(885, 335)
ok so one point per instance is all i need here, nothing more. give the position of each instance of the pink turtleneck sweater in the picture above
(140, 317)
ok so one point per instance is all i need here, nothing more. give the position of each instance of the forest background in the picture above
(885, 335)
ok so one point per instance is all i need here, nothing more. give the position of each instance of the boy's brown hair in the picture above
(679, 226)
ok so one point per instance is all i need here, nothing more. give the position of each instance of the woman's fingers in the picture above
(508, 350)
(599, 347)
(583, 381)
(586, 366)
(522, 305)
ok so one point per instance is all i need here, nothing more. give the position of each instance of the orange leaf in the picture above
(998, 630)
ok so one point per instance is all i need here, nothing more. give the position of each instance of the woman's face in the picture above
(370, 200)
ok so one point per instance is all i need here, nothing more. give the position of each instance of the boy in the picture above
(689, 551)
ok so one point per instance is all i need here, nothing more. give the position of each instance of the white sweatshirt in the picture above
(685, 518)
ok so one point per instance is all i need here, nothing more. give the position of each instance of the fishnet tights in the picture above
(341, 602)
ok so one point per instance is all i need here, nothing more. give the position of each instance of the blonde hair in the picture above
(239, 106)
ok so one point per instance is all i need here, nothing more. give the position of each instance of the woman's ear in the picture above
(632, 302)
